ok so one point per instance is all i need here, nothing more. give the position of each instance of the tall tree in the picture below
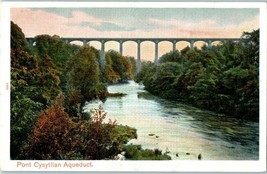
(25, 95)
(84, 74)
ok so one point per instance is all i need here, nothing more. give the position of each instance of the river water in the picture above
(182, 130)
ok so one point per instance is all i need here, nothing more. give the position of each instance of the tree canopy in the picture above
(50, 82)
(223, 78)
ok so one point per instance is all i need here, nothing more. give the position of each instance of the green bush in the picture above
(135, 152)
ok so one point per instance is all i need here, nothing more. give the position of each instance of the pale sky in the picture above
(137, 22)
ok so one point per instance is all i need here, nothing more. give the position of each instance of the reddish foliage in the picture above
(50, 134)
(55, 137)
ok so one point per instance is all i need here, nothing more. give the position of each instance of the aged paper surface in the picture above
(133, 86)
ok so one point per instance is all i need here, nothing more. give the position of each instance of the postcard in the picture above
(133, 86)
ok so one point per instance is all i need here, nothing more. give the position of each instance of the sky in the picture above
(136, 23)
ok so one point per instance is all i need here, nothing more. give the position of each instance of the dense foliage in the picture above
(50, 82)
(118, 67)
(223, 78)
(25, 96)
(136, 152)
(83, 72)
(56, 137)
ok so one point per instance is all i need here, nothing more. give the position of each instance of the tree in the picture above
(57, 52)
(173, 56)
(121, 65)
(224, 78)
(44, 124)
(146, 67)
(163, 80)
(83, 74)
(56, 137)
(25, 96)
(49, 81)
(97, 140)
(50, 134)
(111, 76)
(250, 45)
(55, 48)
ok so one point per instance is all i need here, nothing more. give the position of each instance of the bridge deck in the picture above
(143, 39)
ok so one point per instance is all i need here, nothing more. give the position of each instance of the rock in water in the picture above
(199, 156)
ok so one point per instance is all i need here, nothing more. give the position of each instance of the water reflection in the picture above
(181, 128)
(214, 126)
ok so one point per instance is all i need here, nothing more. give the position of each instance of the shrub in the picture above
(50, 134)
(135, 152)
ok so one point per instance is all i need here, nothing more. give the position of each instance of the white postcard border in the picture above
(174, 165)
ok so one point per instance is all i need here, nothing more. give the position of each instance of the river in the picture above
(182, 130)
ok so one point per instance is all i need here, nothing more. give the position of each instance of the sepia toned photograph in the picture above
(134, 83)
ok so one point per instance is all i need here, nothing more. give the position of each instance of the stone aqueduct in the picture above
(138, 41)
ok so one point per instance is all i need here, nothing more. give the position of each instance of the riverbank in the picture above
(181, 129)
